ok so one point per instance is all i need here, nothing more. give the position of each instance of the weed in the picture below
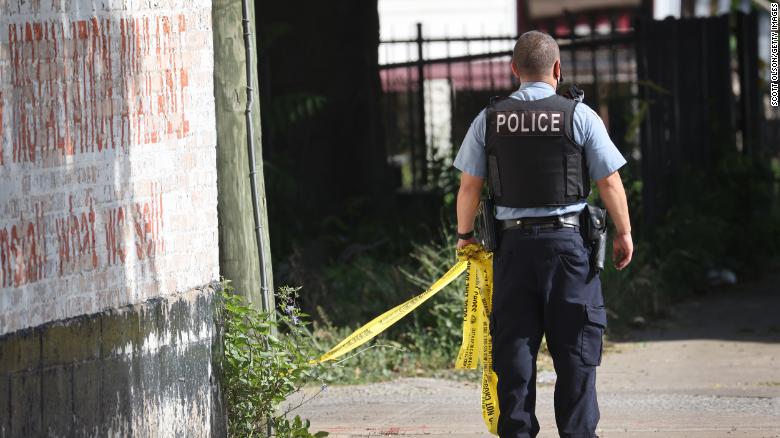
(261, 367)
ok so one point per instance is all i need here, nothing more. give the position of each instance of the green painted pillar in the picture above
(238, 253)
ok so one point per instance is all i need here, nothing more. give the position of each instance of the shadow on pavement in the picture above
(747, 312)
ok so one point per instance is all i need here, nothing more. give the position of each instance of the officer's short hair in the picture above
(535, 53)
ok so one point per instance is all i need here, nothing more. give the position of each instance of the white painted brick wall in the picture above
(108, 175)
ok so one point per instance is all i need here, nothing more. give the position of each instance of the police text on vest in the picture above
(529, 123)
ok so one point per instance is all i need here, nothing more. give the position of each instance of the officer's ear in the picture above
(557, 70)
(514, 70)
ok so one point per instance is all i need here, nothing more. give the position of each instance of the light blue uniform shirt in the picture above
(602, 156)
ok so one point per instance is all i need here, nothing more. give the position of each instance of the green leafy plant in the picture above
(265, 359)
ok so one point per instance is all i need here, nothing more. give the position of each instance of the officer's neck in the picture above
(547, 80)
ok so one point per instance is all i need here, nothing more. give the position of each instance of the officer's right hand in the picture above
(622, 250)
(464, 242)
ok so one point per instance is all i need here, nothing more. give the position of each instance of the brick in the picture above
(20, 350)
(57, 388)
(120, 332)
(147, 382)
(26, 404)
(151, 322)
(196, 368)
(178, 321)
(87, 403)
(206, 312)
(116, 396)
(71, 341)
(5, 405)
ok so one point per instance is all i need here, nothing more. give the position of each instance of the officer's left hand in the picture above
(464, 242)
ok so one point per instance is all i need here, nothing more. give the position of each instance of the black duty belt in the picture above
(571, 220)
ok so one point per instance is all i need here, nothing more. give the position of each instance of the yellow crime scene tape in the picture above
(476, 344)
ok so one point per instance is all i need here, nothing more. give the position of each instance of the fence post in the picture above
(649, 189)
(593, 66)
(422, 149)
(749, 96)
(572, 23)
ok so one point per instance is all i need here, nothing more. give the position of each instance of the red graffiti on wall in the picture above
(1, 129)
(78, 90)
(76, 238)
(148, 220)
(114, 222)
(23, 251)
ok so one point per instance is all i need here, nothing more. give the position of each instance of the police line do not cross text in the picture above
(774, 74)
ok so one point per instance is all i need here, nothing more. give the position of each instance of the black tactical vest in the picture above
(533, 160)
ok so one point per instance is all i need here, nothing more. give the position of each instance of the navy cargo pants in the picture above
(542, 287)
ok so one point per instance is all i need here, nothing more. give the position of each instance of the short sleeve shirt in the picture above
(602, 156)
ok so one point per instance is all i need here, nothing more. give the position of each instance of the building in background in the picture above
(440, 18)
(559, 17)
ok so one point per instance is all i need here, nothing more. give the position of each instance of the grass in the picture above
(670, 264)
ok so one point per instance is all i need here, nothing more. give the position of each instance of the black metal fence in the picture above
(702, 98)
(665, 89)
(431, 97)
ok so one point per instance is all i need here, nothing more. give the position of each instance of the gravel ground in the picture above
(711, 370)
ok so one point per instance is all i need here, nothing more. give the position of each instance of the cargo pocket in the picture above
(592, 335)
(573, 175)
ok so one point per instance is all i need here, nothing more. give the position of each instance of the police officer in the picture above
(539, 152)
